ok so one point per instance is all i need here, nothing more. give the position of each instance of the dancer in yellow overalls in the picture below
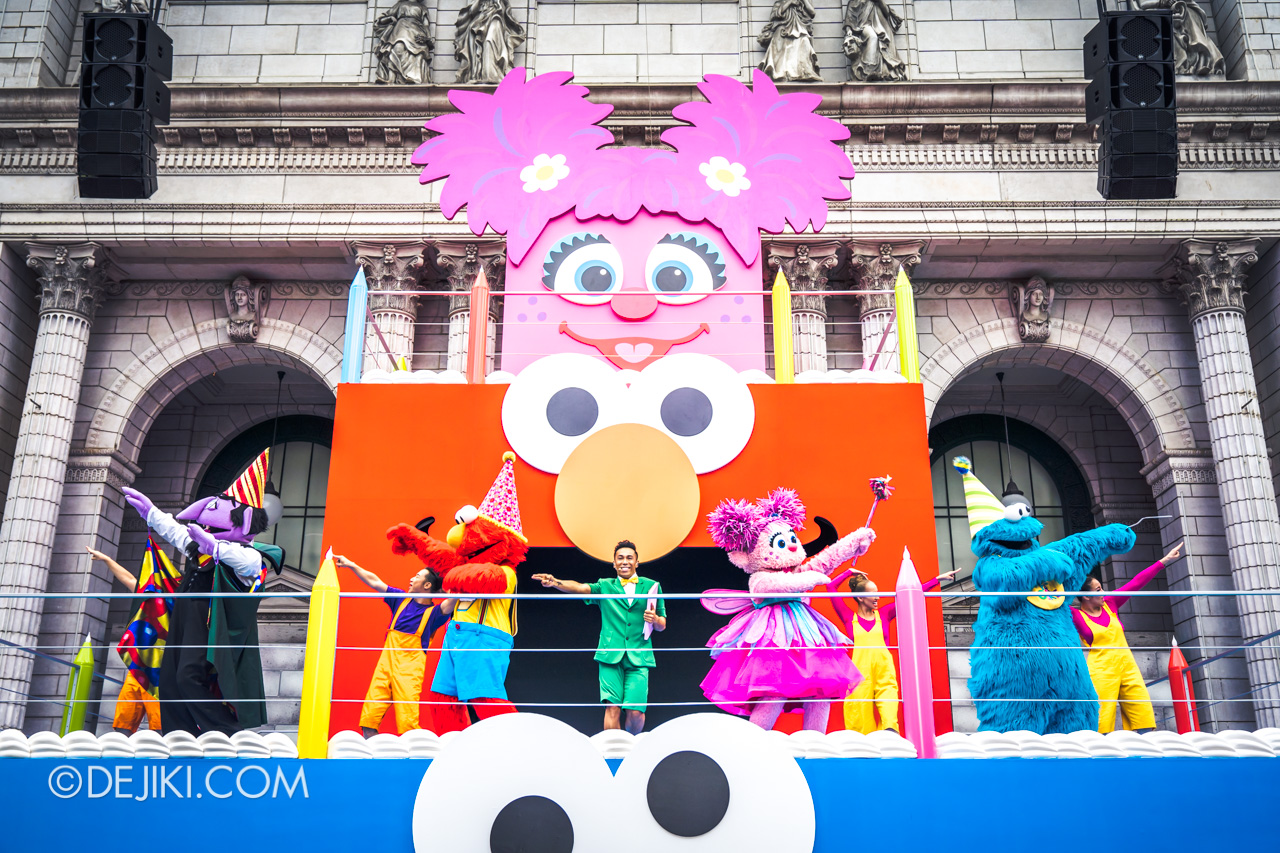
(398, 677)
(1112, 668)
(868, 627)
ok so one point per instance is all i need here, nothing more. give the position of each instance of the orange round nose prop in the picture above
(627, 481)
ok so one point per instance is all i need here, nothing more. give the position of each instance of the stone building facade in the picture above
(1157, 387)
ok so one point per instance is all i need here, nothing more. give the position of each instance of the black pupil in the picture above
(686, 411)
(572, 411)
(596, 279)
(688, 794)
(671, 280)
(531, 825)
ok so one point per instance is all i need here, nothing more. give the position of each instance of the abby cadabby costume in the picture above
(777, 652)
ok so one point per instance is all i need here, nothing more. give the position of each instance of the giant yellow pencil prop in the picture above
(784, 358)
(317, 668)
(908, 343)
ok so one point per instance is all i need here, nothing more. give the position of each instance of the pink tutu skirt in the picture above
(783, 650)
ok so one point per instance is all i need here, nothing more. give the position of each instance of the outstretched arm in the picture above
(434, 554)
(121, 573)
(842, 551)
(1090, 548)
(369, 579)
(1144, 577)
(1018, 574)
(786, 582)
(553, 582)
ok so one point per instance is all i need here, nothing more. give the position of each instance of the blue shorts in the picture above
(473, 662)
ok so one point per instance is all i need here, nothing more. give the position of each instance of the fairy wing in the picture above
(734, 602)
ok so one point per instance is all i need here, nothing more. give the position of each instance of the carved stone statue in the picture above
(788, 43)
(123, 7)
(869, 26)
(1032, 304)
(245, 304)
(404, 44)
(486, 39)
(1194, 53)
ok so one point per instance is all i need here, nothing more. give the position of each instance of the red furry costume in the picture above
(477, 646)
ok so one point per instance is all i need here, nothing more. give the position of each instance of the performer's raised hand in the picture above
(1174, 553)
(204, 539)
(547, 580)
(138, 501)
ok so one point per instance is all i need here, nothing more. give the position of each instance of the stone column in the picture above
(805, 265)
(390, 267)
(875, 267)
(72, 285)
(461, 264)
(1184, 484)
(1212, 279)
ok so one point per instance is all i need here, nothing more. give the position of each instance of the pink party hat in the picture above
(500, 505)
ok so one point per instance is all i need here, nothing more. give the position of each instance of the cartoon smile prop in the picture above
(682, 416)
(632, 353)
(695, 783)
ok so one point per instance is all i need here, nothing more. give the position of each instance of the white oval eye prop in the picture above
(584, 268)
(684, 268)
(466, 515)
(496, 782)
(713, 782)
(701, 402)
(1016, 512)
(556, 402)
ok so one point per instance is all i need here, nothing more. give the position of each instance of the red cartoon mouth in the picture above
(633, 353)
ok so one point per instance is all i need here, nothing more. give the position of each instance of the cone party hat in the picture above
(983, 506)
(249, 488)
(500, 505)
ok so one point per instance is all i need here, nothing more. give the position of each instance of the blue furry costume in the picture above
(1022, 651)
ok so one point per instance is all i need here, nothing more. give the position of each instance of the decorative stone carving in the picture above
(869, 26)
(72, 278)
(788, 43)
(123, 7)
(876, 267)
(1211, 276)
(485, 41)
(1032, 304)
(806, 266)
(1194, 52)
(245, 303)
(404, 44)
(460, 264)
(390, 267)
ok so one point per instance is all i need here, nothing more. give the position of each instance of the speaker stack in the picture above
(1129, 56)
(123, 97)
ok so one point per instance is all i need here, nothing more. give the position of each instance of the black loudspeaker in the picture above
(1132, 98)
(126, 60)
(128, 39)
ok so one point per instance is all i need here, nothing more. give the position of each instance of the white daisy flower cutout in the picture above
(544, 173)
(728, 178)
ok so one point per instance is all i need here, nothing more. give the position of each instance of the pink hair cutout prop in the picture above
(634, 243)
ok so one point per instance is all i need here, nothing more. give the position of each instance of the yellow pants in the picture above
(398, 679)
(1117, 679)
(132, 704)
(879, 683)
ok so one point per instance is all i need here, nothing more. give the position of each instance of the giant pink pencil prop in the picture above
(913, 661)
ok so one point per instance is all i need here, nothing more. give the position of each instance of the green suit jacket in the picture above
(622, 622)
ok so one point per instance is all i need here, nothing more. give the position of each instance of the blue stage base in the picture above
(993, 805)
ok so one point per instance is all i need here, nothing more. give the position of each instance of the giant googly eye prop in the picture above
(699, 401)
(556, 402)
(585, 269)
(466, 515)
(516, 782)
(1016, 511)
(684, 268)
(714, 782)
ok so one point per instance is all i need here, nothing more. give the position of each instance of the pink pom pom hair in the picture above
(736, 525)
(748, 159)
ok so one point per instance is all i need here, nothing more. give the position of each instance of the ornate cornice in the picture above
(1212, 275)
(97, 465)
(187, 289)
(72, 277)
(1067, 288)
(1179, 467)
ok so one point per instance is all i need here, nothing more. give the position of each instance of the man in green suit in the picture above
(625, 651)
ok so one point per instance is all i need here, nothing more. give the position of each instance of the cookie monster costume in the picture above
(1026, 668)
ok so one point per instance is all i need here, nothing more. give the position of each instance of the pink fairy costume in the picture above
(627, 253)
(778, 651)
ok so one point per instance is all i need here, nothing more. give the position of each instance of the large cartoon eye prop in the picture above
(466, 515)
(1016, 512)
(683, 268)
(585, 269)
(554, 404)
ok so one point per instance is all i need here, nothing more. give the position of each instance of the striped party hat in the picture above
(249, 488)
(984, 507)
